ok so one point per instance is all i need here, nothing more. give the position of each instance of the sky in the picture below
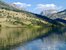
(36, 6)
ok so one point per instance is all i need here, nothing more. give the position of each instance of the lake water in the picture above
(54, 39)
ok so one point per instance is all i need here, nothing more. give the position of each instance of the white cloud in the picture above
(46, 6)
(42, 7)
(21, 5)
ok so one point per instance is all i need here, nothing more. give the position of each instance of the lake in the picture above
(33, 39)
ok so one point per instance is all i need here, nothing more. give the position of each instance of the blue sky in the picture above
(36, 6)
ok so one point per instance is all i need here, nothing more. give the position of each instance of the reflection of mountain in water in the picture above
(56, 40)
(10, 37)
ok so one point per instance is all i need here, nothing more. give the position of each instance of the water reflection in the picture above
(10, 37)
(56, 40)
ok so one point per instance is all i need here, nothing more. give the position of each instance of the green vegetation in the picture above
(13, 17)
(18, 26)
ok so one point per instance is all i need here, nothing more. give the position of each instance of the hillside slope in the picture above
(61, 14)
(13, 17)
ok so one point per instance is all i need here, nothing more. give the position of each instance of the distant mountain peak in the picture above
(16, 6)
(48, 12)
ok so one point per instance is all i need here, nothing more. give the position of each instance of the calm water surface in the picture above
(54, 39)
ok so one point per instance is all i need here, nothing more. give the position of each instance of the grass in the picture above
(18, 19)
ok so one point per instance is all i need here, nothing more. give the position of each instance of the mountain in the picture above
(57, 16)
(13, 17)
(61, 14)
(53, 14)
(4, 5)
(49, 12)
(62, 21)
